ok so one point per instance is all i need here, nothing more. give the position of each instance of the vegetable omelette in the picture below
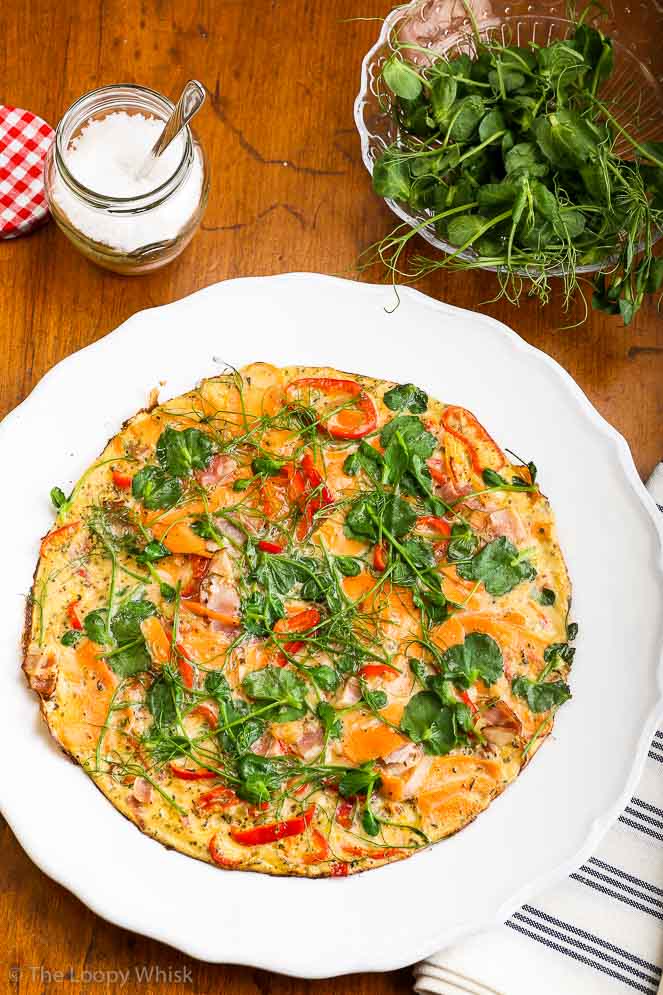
(300, 621)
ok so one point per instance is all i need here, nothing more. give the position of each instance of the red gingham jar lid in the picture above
(24, 142)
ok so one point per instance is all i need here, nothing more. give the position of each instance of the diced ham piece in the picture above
(310, 743)
(142, 791)
(446, 490)
(350, 694)
(222, 565)
(508, 523)
(219, 596)
(301, 737)
(229, 530)
(220, 470)
(498, 736)
(266, 746)
(41, 670)
(406, 756)
(138, 716)
(500, 724)
(222, 597)
(500, 714)
(417, 777)
(484, 503)
(137, 808)
(449, 491)
(410, 765)
(413, 778)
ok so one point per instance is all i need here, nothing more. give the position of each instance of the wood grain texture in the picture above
(289, 192)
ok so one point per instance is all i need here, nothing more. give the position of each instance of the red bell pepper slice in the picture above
(217, 857)
(255, 810)
(274, 830)
(121, 480)
(435, 524)
(221, 797)
(438, 471)
(72, 615)
(186, 774)
(314, 479)
(301, 622)
(187, 673)
(464, 426)
(378, 670)
(465, 698)
(270, 547)
(380, 557)
(185, 667)
(348, 423)
(311, 504)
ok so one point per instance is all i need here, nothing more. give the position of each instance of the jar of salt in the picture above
(96, 187)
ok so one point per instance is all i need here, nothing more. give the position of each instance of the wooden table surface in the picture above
(289, 192)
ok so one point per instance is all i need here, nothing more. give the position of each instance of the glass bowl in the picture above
(442, 26)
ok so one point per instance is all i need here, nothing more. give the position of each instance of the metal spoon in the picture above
(191, 100)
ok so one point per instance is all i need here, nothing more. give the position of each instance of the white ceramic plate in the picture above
(543, 827)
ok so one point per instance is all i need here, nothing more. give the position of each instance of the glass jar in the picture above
(128, 234)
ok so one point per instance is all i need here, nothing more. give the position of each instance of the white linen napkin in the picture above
(600, 932)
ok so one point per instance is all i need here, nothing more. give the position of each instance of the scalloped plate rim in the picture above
(424, 944)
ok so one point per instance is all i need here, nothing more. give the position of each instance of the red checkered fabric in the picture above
(24, 141)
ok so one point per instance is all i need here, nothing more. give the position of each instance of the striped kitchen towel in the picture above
(600, 932)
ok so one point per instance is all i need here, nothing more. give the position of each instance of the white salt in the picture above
(106, 158)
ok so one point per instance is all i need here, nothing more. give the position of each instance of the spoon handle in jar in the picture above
(191, 100)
